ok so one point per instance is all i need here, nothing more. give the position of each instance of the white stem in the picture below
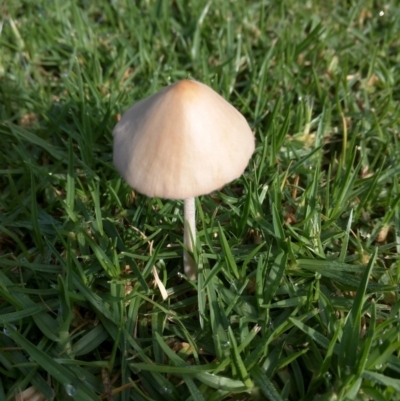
(189, 237)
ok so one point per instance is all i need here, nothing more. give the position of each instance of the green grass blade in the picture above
(351, 332)
(62, 374)
(230, 260)
(265, 385)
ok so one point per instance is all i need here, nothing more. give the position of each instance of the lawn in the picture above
(298, 294)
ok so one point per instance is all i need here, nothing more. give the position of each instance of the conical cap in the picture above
(184, 141)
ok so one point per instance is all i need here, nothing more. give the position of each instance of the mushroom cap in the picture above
(184, 141)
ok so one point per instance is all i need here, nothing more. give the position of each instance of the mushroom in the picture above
(184, 141)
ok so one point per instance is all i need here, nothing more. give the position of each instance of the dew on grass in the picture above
(70, 389)
(167, 390)
(7, 332)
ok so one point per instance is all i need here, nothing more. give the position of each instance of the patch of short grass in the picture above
(298, 291)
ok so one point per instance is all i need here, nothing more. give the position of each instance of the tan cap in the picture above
(184, 141)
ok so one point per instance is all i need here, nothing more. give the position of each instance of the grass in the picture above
(298, 292)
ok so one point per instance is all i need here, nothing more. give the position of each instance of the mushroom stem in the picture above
(189, 237)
